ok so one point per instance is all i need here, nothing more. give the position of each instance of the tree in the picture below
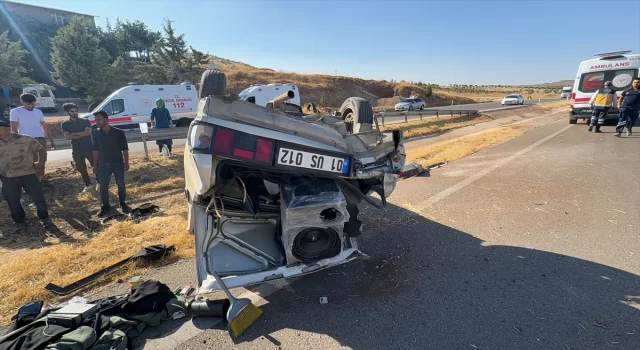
(12, 68)
(80, 63)
(428, 91)
(35, 37)
(179, 62)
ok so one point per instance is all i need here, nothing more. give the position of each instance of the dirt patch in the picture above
(465, 146)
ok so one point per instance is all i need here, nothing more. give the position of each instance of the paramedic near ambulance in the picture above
(629, 108)
(601, 103)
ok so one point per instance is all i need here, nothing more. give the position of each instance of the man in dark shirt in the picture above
(629, 108)
(111, 155)
(78, 130)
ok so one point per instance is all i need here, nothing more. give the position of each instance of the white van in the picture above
(132, 104)
(262, 94)
(566, 92)
(621, 68)
(45, 99)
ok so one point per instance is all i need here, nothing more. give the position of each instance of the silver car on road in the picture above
(410, 104)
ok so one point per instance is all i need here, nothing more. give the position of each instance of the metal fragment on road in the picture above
(324, 300)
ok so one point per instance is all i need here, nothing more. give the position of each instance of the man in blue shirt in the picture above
(629, 108)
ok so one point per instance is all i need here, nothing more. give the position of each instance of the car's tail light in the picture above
(238, 144)
(573, 96)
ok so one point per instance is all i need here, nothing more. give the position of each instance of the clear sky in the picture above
(464, 42)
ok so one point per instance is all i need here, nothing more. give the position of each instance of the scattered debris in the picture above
(150, 253)
(324, 300)
(411, 170)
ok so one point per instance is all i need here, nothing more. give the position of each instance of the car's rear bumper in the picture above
(586, 112)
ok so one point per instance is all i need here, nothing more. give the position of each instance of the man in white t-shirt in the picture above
(28, 120)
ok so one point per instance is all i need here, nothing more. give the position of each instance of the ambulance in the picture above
(132, 104)
(262, 94)
(621, 68)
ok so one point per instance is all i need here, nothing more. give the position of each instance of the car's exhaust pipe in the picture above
(275, 103)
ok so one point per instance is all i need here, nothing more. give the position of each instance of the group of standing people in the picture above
(23, 155)
(605, 99)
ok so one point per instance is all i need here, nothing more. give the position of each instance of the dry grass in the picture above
(82, 246)
(465, 146)
(552, 105)
(434, 126)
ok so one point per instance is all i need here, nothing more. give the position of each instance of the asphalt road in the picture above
(532, 244)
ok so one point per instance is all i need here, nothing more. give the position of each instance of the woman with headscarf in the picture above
(161, 119)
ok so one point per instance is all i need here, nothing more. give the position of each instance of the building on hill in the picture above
(34, 26)
(17, 12)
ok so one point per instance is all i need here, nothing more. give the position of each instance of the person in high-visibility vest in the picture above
(601, 102)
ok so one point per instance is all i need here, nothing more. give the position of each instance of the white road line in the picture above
(466, 182)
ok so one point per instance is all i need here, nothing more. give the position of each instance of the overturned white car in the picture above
(273, 193)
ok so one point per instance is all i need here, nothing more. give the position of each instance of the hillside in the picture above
(557, 84)
(331, 90)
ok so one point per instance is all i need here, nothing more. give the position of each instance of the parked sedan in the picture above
(409, 104)
(513, 100)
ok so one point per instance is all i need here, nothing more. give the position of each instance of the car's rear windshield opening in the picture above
(621, 79)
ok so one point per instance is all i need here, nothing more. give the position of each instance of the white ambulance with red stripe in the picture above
(621, 68)
(132, 104)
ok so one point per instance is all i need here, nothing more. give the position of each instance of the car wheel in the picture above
(422, 107)
(410, 108)
(212, 83)
(357, 114)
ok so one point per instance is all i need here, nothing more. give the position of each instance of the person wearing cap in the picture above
(601, 102)
(629, 108)
(18, 172)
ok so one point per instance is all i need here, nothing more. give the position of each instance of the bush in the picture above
(428, 91)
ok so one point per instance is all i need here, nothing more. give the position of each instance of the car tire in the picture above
(410, 108)
(212, 83)
(573, 121)
(422, 108)
(357, 114)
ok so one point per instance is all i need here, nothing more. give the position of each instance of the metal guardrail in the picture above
(423, 113)
(134, 135)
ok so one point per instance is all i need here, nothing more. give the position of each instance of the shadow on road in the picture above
(430, 286)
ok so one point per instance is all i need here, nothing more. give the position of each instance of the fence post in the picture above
(461, 113)
(438, 114)
(452, 113)
(406, 116)
(420, 115)
(382, 118)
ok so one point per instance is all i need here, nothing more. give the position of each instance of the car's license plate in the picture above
(314, 161)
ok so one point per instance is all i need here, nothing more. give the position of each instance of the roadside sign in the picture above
(144, 128)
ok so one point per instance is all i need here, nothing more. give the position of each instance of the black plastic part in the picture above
(352, 227)
(209, 308)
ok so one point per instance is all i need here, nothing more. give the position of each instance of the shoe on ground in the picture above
(97, 187)
(86, 189)
(104, 211)
(629, 133)
(21, 227)
(125, 208)
(618, 134)
(590, 128)
(598, 130)
(47, 223)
